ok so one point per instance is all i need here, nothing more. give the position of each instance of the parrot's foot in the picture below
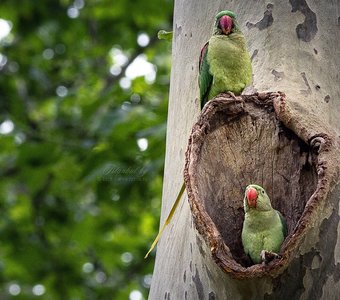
(267, 256)
(232, 94)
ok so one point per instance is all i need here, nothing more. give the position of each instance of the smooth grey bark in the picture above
(294, 47)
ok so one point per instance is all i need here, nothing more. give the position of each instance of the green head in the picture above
(225, 23)
(256, 198)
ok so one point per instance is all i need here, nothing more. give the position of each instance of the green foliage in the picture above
(82, 148)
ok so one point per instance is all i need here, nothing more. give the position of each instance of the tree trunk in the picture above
(294, 49)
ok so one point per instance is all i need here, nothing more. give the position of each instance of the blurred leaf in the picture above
(79, 196)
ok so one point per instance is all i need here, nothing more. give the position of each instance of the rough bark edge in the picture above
(324, 145)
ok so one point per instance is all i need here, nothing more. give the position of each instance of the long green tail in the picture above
(168, 219)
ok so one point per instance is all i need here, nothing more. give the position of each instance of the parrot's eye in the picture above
(262, 191)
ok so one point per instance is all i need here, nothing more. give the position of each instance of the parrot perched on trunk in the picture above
(264, 228)
(224, 64)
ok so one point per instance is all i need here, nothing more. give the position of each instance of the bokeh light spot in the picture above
(73, 12)
(14, 289)
(48, 54)
(142, 144)
(115, 70)
(88, 267)
(6, 127)
(135, 295)
(126, 257)
(143, 40)
(38, 290)
(125, 83)
(61, 91)
(5, 28)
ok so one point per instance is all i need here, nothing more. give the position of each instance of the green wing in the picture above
(205, 78)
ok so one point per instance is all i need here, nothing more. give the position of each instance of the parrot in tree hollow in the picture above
(224, 64)
(264, 228)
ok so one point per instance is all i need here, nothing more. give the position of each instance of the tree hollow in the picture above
(239, 141)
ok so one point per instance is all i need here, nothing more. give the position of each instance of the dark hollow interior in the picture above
(252, 148)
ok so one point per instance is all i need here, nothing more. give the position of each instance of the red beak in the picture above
(226, 24)
(251, 195)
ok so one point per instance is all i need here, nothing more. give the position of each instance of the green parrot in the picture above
(224, 64)
(264, 228)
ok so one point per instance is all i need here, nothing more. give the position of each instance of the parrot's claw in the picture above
(232, 95)
(267, 256)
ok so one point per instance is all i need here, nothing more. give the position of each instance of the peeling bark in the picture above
(266, 21)
(307, 30)
(296, 53)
